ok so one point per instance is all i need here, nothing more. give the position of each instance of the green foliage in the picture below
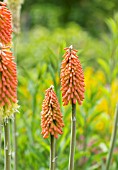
(89, 14)
(109, 62)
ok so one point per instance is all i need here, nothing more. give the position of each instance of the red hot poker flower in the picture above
(5, 24)
(72, 78)
(51, 117)
(8, 77)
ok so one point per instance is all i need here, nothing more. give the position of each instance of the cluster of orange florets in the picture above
(8, 78)
(51, 117)
(72, 78)
(5, 24)
(8, 75)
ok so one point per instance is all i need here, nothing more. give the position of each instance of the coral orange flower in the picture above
(72, 78)
(8, 77)
(51, 117)
(5, 24)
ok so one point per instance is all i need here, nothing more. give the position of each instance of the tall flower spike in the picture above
(5, 24)
(51, 117)
(8, 82)
(72, 78)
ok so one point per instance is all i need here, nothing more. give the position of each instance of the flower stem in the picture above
(14, 126)
(0, 132)
(52, 152)
(14, 142)
(0, 136)
(7, 149)
(113, 138)
(73, 137)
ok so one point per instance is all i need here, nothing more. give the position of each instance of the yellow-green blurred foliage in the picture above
(107, 96)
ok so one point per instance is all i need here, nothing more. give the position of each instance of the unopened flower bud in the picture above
(51, 117)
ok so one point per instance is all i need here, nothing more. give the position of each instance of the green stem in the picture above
(7, 148)
(85, 134)
(0, 136)
(14, 127)
(52, 152)
(14, 142)
(73, 137)
(34, 113)
(1, 124)
(113, 138)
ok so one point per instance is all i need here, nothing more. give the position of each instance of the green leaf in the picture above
(53, 76)
(104, 65)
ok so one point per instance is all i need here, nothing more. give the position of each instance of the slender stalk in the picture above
(14, 126)
(7, 148)
(0, 132)
(52, 152)
(0, 136)
(73, 137)
(14, 142)
(113, 138)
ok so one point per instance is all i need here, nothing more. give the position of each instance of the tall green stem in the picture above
(7, 148)
(52, 152)
(0, 136)
(73, 137)
(14, 127)
(0, 132)
(14, 142)
(113, 138)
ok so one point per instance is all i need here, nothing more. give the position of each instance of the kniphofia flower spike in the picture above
(51, 116)
(5, 24)
(8, 82)
(72, 78)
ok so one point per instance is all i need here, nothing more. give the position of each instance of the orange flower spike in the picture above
(3, 4)
(5, 24)
(51, 116)
(8, 77)
(72, 78)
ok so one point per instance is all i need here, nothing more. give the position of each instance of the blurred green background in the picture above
(46, 29)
